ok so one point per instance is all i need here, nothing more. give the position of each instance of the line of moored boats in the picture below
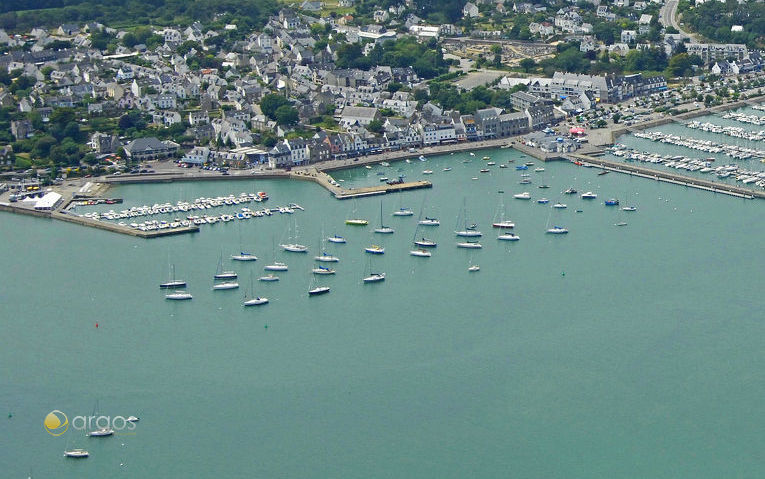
(709, 146)
(678, 162)
(744, 118)
(732, 131)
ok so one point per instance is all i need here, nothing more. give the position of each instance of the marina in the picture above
(291, 354)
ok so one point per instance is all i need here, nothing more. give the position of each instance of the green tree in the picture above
(271, 102)
(527, 64)
(375, 126)
(286, 115)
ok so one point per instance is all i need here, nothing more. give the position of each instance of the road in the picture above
(668, 17)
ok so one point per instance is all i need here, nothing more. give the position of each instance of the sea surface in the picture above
(613, 351)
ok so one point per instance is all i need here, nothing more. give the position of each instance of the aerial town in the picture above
(311, 85)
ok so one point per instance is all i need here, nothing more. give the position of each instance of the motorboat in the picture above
(326, 258)
(420, 252)
(225, 285)
(570, 191)
(557, 230)
(374, 278)
(322, 270)
(336, 239)
(469, 244)
(543, 186)
(629, 208)
(522, 196)
(612, 202)
(474, 268)
(276, 266)
(132, 419)
(484, 170)
(560, 206)
(375, 249)
(589, 195)
(543, 201)
(427, 172)
(429, 222)
(178, 296)
(448, 168)
(76, 453)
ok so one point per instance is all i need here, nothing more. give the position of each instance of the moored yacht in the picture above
(322, 270)
(294, 248)
(508, 237)
(76, 453)
(276, 266)
(101, 432)
(589, 195)
(557, 230)
(225, 285)
(336, 239)
(243, 256)
(318, 290)
(178, 296)
(560, 206)
(469, 244)
(375, 249)
(374, 278)
(420, 252)
(326, 258)
(269, 277)
(425, 243)
(522, 196)
(429, 222)
(403, 212)
(504, 224)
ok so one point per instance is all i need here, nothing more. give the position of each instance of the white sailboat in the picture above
(325, 257)
(220, 274)
(421, 241)
(336, 239)
(178, 296)
(173, 283)
(372, 277)
(254, 300)
(469, 244)
(421, 253)
(243, 255)
(499, 217)
(355, 221)
(322, 270)
(314, 289)
(269, 277)
(294, 247)
(225, 285)
(382, 229)
(275, 265)
(469, 230)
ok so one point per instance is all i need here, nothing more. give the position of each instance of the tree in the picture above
(528, 64)
(375, 126)
(286, 115)
(616, 117)
(271, 102)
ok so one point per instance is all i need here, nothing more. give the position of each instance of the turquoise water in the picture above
(608, 352)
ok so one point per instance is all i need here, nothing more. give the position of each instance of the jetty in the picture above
(666, 176)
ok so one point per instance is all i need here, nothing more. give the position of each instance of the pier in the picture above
(667, 177)
(322, 178)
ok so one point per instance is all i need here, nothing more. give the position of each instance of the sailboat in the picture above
(336, 239)
(372, 277)
(254, 300)
(470, 230)
(294, 247)
(75, 453)
(421, 252)
(101, 431)
(469, 244)
(269, 277)
(322, 270)
(555, 230)
(225, 285)
(275, 265)
(315, 289)
(220, 274)
(421, 241)
(383, 229)
(243, 255)
(325, 257)
(173, 283)
(403, 212)
(375, 249)
(356, 221)
(178, 296)
(501, 222)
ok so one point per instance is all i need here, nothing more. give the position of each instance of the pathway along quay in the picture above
(665, 176)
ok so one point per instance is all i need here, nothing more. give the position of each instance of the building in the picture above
(522, 100)
(103, 143)
(359, 114)
(22, 129)
(710, 52)
(150, 148)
